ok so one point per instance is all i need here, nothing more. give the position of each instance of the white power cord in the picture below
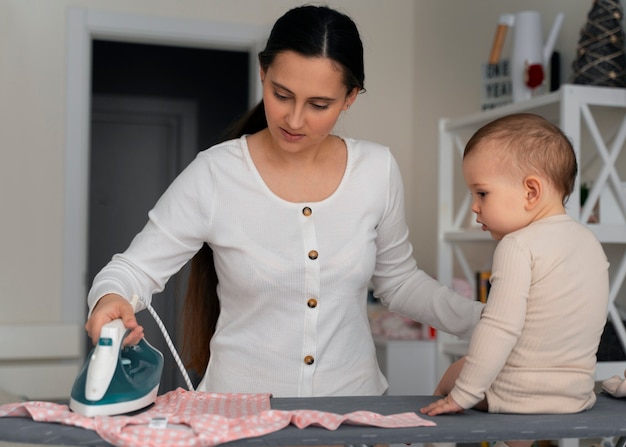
(168, 340)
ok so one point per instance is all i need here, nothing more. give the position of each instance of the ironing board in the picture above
(606, 419)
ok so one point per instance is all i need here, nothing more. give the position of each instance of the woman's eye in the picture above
(320, 106)
(316, 106)
(280, 97)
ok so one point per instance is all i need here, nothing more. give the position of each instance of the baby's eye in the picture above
(481, 193)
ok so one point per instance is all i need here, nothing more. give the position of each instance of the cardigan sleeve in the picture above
(404, 288)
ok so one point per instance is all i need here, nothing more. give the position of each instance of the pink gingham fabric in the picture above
(197, 419)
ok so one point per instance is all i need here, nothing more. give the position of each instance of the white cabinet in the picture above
(594, 118)
(408, 365)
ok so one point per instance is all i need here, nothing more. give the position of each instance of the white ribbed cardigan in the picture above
(262, 246)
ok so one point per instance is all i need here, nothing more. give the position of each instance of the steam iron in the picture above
(116, 379)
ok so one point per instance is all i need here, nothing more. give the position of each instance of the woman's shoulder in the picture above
(235, 145)
(364, 145)
(227, 156)
(373, 152)
(368, 151)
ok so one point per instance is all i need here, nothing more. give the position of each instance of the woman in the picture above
(299, 221)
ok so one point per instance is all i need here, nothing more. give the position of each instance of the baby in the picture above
(534, 349)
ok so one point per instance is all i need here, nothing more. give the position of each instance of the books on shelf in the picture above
(482, 285)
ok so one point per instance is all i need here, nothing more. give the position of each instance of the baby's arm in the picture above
(448, 379)
(498, 331)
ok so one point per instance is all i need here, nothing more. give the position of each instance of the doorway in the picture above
(216, 80)
(84, 25)
(153, 108)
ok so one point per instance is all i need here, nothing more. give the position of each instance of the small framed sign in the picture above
(496, 85)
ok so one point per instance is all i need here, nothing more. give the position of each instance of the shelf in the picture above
(548, 105)
(467, 236)
(542, 105)
(606, 234)
(609, 233)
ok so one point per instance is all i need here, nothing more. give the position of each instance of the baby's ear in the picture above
(534, 190)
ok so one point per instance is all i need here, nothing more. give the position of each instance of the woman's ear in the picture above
(350, 98)
(262, 74)
(534, 191)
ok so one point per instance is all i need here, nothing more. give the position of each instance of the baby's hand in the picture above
(445, 405)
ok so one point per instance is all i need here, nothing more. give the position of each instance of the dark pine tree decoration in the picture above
(600, 58)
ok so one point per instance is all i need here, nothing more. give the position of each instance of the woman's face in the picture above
(303, 99)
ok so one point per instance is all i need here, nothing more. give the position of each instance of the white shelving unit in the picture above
(595, 120)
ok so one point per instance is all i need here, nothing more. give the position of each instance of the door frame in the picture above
(84, 25)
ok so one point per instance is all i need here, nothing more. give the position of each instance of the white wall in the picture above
(452, 39)
(422, 63)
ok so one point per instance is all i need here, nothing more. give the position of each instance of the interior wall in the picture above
(422, 62)
(452, 40)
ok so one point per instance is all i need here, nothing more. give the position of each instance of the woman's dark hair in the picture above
(313, 31)
(317, 31)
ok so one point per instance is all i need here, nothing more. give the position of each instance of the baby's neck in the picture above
(549, 209)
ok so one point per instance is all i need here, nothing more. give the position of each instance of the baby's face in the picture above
(498, 197)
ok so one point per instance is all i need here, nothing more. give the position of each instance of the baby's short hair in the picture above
(531, 145)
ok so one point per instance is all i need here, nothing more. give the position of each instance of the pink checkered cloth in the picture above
(198, 419)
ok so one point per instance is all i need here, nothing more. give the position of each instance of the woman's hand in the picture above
(111, 307)
(445, 405)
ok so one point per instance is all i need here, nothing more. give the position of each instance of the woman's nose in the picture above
(295, 118)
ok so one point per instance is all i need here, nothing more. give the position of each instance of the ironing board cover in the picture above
(195, 419)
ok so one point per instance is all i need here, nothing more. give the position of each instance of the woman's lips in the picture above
(290, 136)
